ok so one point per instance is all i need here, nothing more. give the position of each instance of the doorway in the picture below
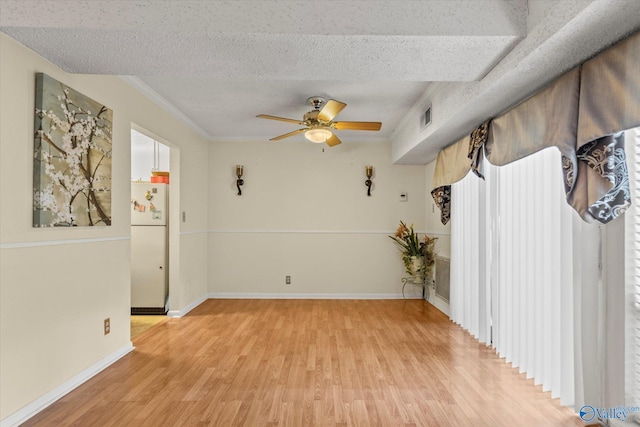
(150, 180)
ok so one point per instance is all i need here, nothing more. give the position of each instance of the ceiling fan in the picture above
(319, 122)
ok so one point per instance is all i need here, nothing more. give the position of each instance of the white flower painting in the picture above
(72, 158)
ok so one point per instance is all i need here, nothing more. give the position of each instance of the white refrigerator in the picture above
(149, 248)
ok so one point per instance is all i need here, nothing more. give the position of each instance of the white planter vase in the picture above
(417, 269)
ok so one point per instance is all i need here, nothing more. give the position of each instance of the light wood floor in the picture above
(142, 323)
(308, 362)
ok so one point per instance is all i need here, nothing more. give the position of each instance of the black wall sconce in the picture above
(240, 181)
(368, 170)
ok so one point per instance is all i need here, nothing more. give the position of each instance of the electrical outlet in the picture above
(287, 280)
(107, 325)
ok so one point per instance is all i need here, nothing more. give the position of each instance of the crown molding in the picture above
(156, 98)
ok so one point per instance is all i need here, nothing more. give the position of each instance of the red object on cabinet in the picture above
(160, 177)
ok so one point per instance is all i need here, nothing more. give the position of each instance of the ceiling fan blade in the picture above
(333, 140)
(282, 119)
(330, 110)
(357, 125)
(287, 135)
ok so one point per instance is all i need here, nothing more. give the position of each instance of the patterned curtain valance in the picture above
(582, 114)
(477, 140)
(453, 164)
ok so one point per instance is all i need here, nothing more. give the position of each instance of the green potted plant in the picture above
(418, 254)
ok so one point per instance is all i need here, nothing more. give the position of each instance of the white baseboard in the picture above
(180, 313)
(271, 295)
(439, 303)
(44, 401)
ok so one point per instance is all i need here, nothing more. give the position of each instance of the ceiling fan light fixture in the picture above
(318, 135)
(319, 123)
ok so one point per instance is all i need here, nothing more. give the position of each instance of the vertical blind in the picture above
(469, 293)
(514, 285)
(632, 272)
(534, 321)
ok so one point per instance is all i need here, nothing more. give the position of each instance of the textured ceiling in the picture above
(222, 62)
(218, 64)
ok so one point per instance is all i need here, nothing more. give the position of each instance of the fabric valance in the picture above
(610, 92)
(549, 118)
(582, 114)
(454, 163)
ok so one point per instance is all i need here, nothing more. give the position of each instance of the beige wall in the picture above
(57, 285)
(305, 213)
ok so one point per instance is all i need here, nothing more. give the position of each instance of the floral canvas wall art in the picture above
(72, 157)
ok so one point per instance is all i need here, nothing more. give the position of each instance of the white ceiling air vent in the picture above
(425, 118)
